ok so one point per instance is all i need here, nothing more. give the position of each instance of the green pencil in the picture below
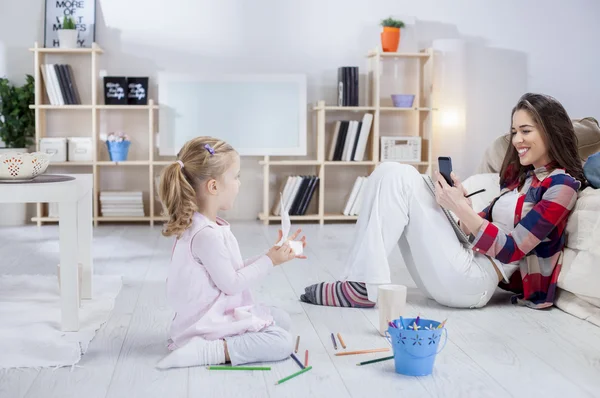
(237, 368)
(375, 360)
(294, 375)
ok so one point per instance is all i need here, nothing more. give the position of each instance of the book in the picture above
(347, 85)
(363, 137)
(334, 139)
(464, 238)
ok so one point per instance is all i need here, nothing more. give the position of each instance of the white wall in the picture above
(544, 46)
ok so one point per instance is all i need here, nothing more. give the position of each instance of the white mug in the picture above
(391, 300)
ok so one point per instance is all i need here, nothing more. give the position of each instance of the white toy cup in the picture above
(391, 301)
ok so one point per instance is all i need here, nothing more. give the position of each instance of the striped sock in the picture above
(338, 294)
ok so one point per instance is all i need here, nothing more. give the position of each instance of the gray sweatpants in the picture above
(274, 343)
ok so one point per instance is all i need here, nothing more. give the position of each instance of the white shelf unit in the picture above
(96, 165)
(422, 112)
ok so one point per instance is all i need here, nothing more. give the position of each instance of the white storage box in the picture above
(401, 149)
(80, 149)
(56, 147)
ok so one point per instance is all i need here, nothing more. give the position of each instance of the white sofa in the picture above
(579, 281)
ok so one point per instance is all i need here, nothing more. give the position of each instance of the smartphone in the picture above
(445, 166)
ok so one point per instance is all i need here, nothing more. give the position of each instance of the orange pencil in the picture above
(306, 358)
(362, 351)
(341, 341)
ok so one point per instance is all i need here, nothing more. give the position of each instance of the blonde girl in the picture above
(216, 317)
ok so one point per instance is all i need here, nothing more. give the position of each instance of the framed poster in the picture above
(82, 11)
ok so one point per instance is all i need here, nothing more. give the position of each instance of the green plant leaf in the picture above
(17, 121)
(392, 23)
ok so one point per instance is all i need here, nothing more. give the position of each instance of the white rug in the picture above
(30, 334)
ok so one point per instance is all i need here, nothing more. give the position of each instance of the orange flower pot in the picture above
(390, 38)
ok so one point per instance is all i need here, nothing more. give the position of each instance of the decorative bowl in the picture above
(19, 166)
(403, 100)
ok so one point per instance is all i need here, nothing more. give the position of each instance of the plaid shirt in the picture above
(541, 215)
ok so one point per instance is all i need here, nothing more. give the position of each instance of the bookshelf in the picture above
(421, 114)
(95, 110)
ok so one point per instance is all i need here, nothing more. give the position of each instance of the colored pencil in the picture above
(294, 375)
(237, 368)
(297, 344)
(362, 351)
(341, 341)
(306, 358)
(402, 322)
(374, 361)
(333, 340)
(441, 325)
(295, 358)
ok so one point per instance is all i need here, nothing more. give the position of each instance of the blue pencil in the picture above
(295, 358)
(402, 322)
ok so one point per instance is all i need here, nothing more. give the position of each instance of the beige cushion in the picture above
(588, 136)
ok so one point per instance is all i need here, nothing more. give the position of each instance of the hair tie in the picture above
(180, 163)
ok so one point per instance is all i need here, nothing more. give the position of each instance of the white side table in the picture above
(75, 229)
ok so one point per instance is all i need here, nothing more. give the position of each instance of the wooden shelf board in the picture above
(271, 217)
(395, 109)
(83, 107)
(127, 107)
(44, 50)
(105, 219)
(123, 219)
(339, 217)
(345, 108)
(353, 163)
(125, 163)
(89, 107)
(397, 54)
(71, 163)
(44, 219)
(290, 162)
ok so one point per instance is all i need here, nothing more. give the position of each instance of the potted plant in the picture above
(17, 130)
(390, 37)
(17, 121)
(67, 34)
(118, 146)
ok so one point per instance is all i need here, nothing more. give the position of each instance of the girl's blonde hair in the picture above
(199, 160)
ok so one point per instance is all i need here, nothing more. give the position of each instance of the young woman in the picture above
(517, 240)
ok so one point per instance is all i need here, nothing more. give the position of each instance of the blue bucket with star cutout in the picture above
(416, 346)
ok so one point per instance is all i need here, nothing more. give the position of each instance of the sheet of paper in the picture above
(286, 225)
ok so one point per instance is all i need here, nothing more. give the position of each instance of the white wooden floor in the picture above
(498, 351)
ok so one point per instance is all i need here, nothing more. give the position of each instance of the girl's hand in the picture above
(280, 254)
(458, 184)
(450, 198)
(293, 237)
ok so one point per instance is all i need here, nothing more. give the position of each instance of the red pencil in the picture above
(306, 358)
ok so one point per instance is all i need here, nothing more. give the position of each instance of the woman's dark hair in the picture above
(557, 131)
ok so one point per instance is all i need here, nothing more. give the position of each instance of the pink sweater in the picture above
(208, 285)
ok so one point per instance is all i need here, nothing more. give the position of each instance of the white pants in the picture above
(398, 208)
(274, 343)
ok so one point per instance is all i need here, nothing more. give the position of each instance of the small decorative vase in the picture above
(390, 39)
